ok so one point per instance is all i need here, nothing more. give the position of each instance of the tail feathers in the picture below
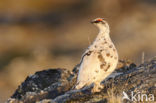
(80, 85)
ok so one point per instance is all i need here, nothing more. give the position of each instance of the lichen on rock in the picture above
(56, 85)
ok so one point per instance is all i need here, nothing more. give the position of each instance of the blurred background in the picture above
(42, 34)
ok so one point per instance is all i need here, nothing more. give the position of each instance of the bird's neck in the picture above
(101, 38)
(103, 34)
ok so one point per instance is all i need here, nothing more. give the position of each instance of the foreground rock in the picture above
(56, 86)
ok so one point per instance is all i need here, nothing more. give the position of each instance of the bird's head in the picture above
(101, 24)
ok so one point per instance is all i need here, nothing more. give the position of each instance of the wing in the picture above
(104, 64)
(87, 53)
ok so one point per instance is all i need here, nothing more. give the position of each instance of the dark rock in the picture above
(56, 85)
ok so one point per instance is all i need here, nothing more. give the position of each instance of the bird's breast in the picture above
(101, 44)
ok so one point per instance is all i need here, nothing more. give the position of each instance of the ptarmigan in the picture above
(99, 60)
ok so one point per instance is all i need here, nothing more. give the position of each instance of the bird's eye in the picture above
(97, 21)
(100, 20)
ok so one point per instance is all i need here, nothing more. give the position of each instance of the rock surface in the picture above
(56, 85)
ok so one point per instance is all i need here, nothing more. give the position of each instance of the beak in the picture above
(92, 22)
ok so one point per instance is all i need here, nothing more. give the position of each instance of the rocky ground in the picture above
(56, 85)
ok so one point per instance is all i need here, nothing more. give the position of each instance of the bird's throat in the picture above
(103, 35)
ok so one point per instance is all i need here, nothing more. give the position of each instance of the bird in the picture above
(99, 60)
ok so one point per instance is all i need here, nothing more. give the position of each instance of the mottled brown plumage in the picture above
(99, 60)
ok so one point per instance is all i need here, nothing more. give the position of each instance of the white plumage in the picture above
(99, 60)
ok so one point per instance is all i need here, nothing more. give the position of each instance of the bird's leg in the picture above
(97, 87)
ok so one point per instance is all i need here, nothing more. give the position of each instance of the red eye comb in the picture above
(99, 20)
